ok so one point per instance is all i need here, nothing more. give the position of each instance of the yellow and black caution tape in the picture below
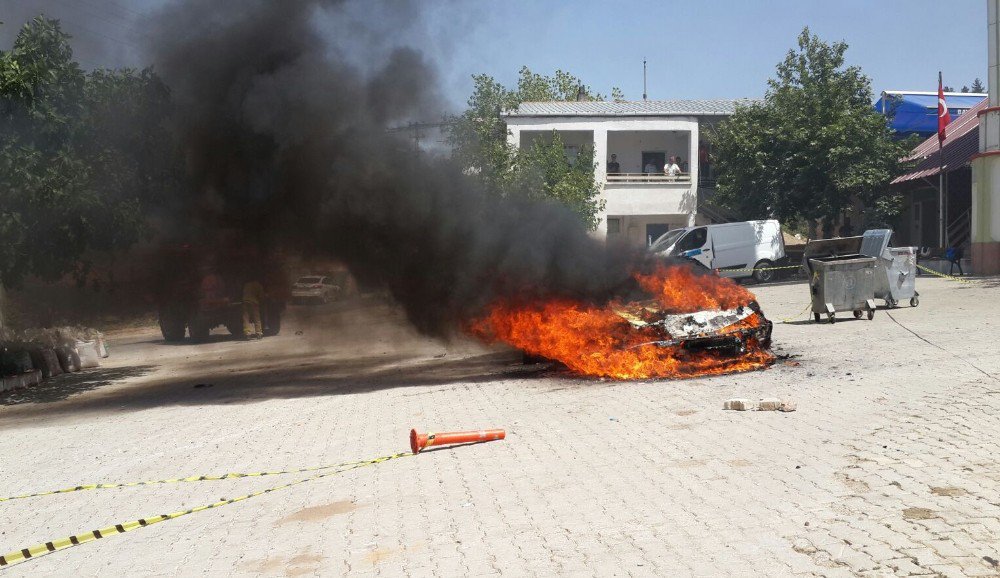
(198, 478)
(799, 314)
(24, 554)
(948, 277)
(759, 269)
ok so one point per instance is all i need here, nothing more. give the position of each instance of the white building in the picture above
(639, 206)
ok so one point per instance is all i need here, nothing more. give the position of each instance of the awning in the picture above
(916, 112)
(961, 144)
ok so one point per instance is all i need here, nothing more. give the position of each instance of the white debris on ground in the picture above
(765, 404)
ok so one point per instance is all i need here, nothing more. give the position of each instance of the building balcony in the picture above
(654, 196)
(647, 178)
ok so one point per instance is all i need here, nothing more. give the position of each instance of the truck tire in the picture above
(234, 324)
(272, 319)
(199, 329)
(762, 272)
(172, 325)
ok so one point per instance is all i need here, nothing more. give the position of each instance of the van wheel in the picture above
(762, 272)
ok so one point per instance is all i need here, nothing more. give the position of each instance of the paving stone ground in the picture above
(888, 467)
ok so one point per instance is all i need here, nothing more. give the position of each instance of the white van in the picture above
(746, 248)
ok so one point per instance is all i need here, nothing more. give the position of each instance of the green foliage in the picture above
(977, 86)
(812, 145)
(544, 173)
(80, 155)
(478, 138)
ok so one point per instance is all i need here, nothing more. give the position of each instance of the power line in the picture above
(76, 4)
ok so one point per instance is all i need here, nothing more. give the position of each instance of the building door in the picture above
(658, 160)
(654, 231)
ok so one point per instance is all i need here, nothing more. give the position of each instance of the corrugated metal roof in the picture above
(631, 108)
(961, 143)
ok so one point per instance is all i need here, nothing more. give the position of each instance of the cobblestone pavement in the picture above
(888, 468)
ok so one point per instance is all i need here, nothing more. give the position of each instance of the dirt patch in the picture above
(318, 513)
(299, 565)
(683, 412)
(691, 463)
(950, 491)
(856, 486)
(379, 555)
(679, 426)
(918, 514)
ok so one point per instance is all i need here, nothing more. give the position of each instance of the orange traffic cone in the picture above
(420, 441)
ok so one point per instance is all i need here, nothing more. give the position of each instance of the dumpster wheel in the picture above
(816, 317)
(914, 301)
(857, 314)
(871, 314)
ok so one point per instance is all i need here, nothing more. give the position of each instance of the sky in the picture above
(694, 49)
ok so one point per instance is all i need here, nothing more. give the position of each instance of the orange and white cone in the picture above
(419, 441)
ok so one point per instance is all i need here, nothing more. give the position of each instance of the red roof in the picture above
(957, 150)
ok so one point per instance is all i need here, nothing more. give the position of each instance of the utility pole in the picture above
(941, 224)
(644, 79)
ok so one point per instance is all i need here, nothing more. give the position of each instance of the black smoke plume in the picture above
(285, 139)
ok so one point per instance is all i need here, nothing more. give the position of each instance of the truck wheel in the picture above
(234, 325)
(272, 320)
(199, 329)
(762, 272)
(172, 325)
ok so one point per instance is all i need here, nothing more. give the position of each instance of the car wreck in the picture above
(727, 332)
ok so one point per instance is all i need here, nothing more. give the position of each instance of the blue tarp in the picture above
(917, 113)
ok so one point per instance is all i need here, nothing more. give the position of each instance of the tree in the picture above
(479, 141)
(977, 86)
(81, 156)
(812, 146)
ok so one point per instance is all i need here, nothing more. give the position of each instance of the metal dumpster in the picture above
(895, 268)
(840, 278)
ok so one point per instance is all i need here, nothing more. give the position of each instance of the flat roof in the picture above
(706, 107)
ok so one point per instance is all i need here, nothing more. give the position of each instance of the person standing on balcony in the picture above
(671, 169)
(613, 166)
(650, 167)
(683, 165)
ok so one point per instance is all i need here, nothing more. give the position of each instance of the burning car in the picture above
(726, 332)
(691, 324)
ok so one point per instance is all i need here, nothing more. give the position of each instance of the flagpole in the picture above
(941, 225)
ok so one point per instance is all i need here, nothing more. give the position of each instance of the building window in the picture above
(614, 226)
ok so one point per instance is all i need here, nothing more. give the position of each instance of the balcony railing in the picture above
(648, 178)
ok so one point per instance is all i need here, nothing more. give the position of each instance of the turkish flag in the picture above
(943, 117)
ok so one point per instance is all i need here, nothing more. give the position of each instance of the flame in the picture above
(596, 341)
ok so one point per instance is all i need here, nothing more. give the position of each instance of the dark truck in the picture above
(200, 288)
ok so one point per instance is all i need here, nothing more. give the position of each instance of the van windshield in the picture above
(693, 240)
(666, 240)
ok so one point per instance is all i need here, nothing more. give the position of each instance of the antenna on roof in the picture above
(644, 79)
